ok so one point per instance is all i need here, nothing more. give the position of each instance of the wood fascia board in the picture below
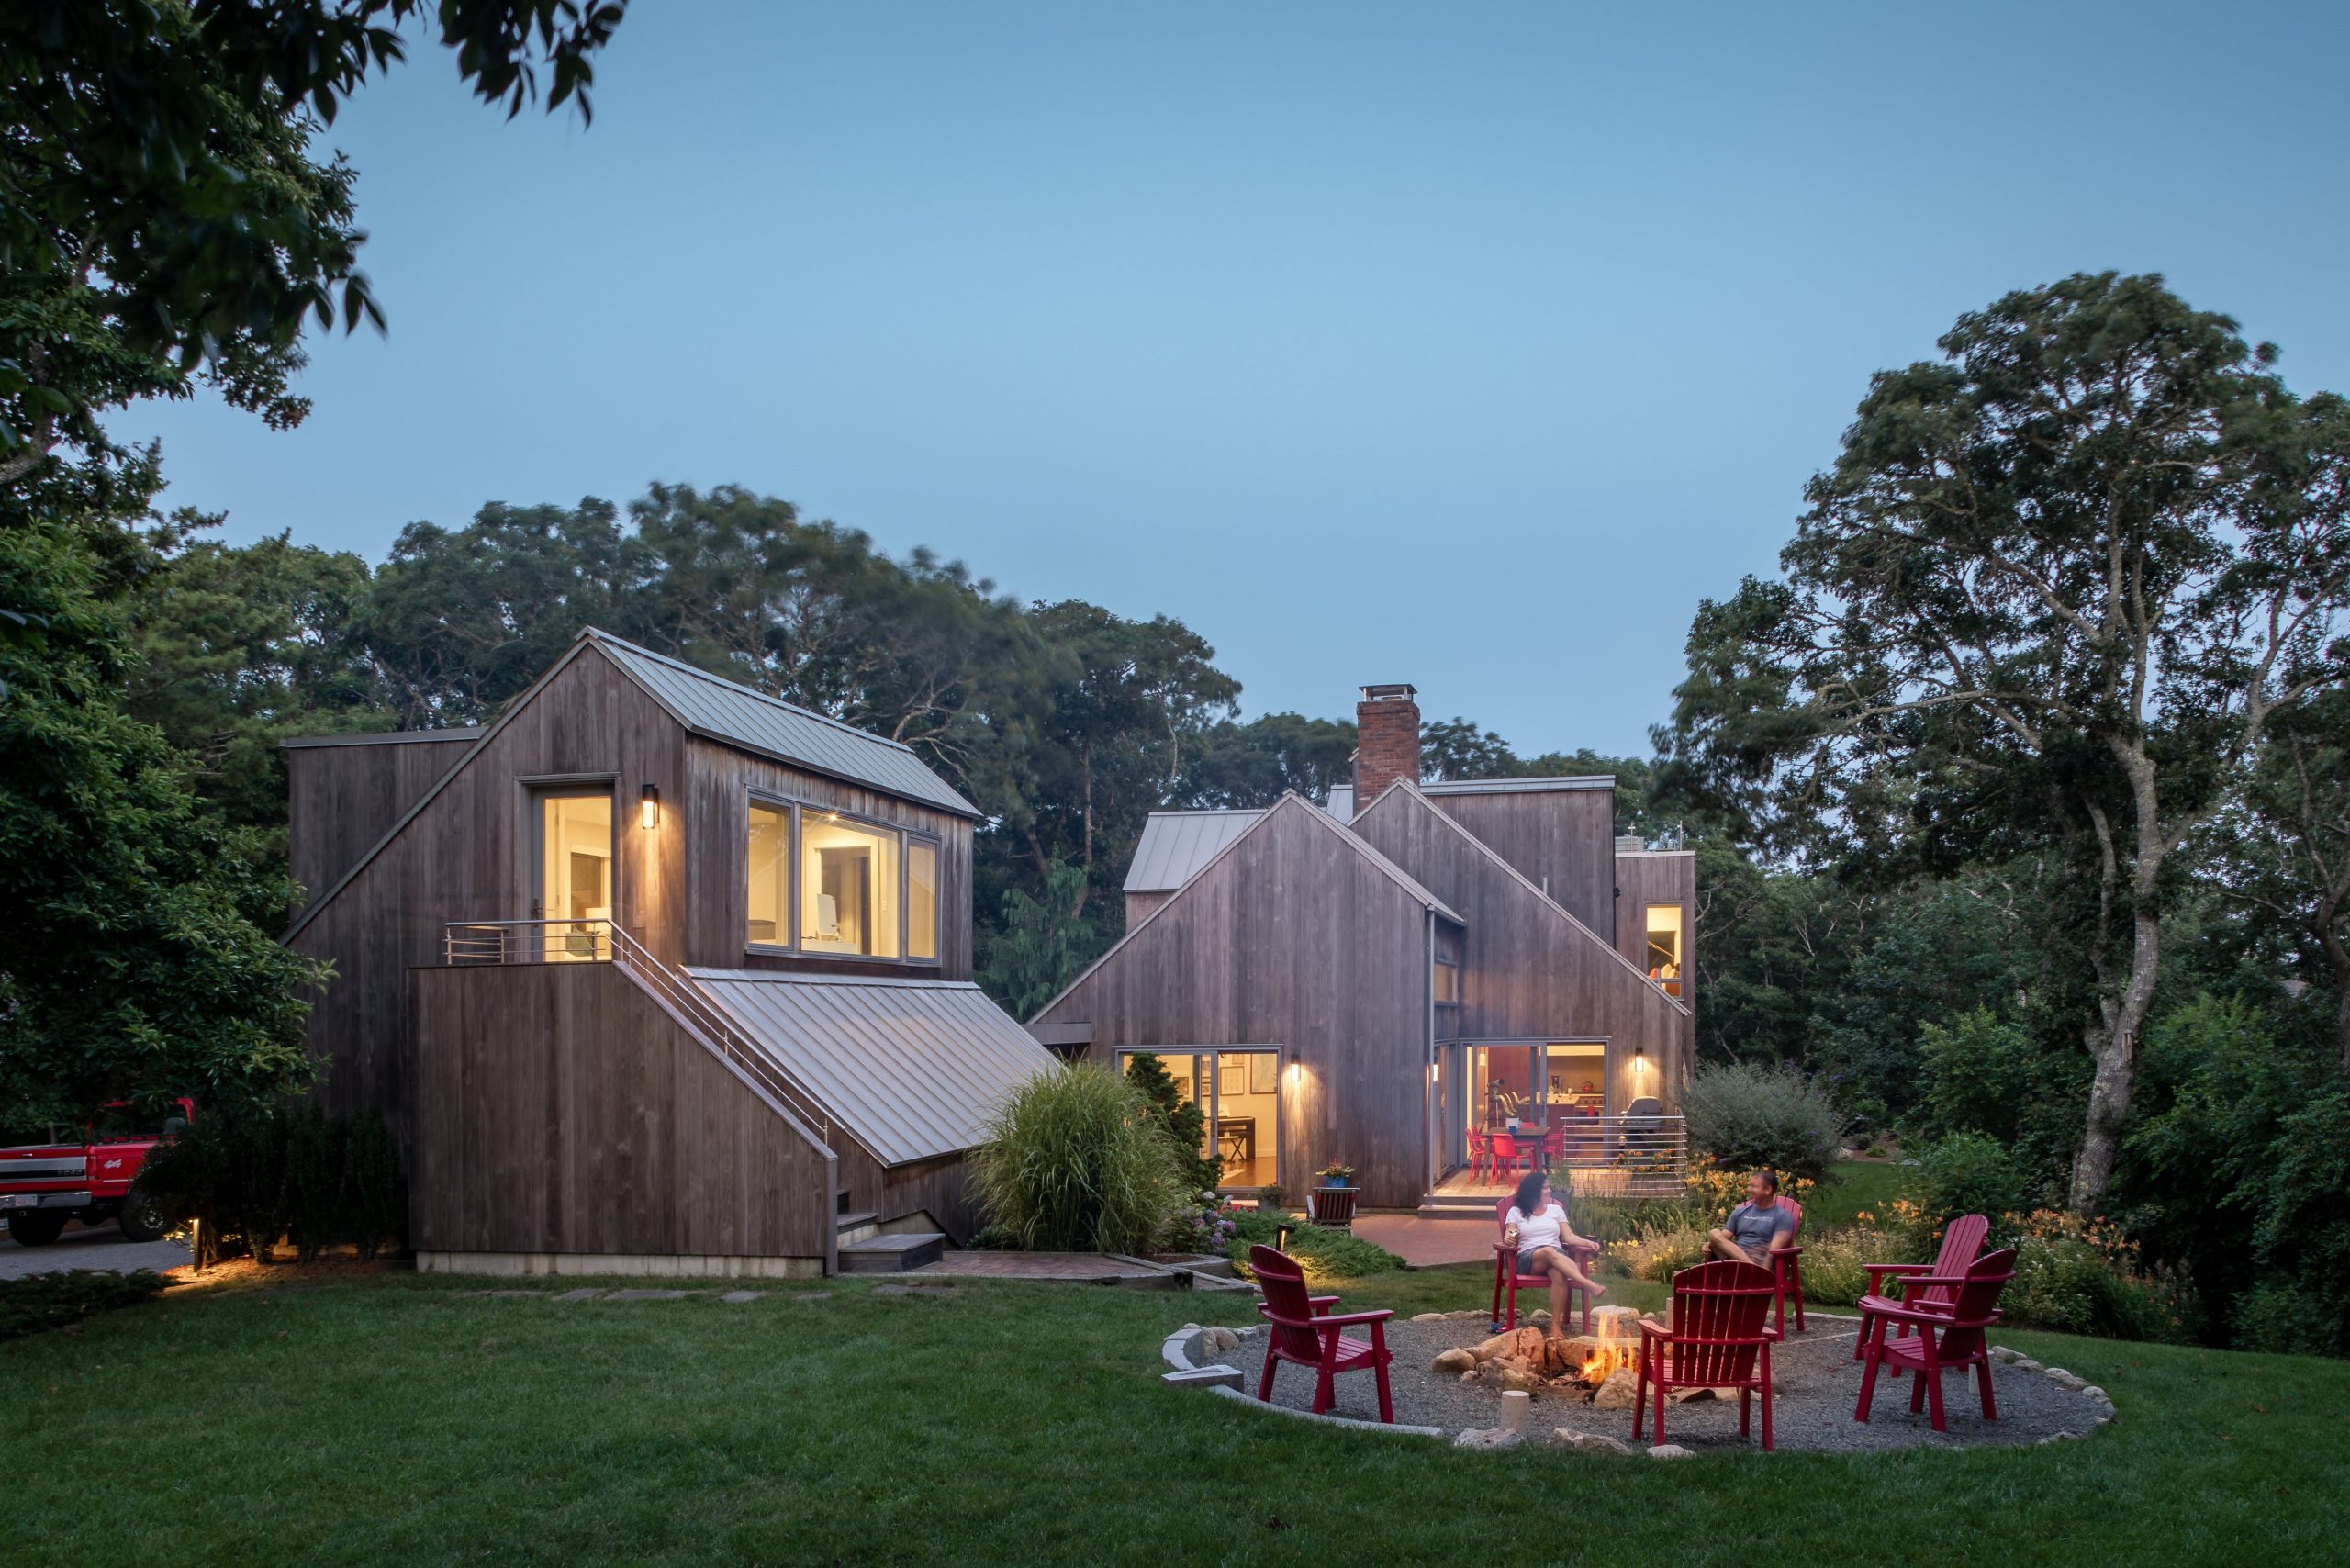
(1290, 797)
(529, 694)
(1493, 858)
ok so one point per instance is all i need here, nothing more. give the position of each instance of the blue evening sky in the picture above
(1463, 345)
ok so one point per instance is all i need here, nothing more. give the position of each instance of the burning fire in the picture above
(1615, 1344)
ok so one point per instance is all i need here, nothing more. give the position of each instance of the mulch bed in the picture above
(1815, 1379)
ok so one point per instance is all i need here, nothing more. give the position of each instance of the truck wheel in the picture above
(138, 1219)
(36, 1228)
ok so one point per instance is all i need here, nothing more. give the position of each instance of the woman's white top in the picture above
(1543, 1228)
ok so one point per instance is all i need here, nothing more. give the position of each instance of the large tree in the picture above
(2055, 591)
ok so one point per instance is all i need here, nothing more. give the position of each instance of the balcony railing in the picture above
(469, 942)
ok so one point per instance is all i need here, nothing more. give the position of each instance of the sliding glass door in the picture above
(1238, 1094)
(573, 853)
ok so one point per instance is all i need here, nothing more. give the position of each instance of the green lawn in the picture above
(1851, 1185)
(393, 1419)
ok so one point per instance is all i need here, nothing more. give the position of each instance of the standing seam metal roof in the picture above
(912, 1069)
(733, 713)
(1175, 845)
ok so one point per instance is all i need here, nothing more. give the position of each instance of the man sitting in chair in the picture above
(1759, 1226)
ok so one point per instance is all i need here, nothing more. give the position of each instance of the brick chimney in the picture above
(1387, 740)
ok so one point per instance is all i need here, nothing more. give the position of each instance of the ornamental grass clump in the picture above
(1076, 1161)
(1747, 1115)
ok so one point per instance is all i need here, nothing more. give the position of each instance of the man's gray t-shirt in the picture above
(1753, 1228)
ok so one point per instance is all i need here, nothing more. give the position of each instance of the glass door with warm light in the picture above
(1238, 1094)
(573, 830)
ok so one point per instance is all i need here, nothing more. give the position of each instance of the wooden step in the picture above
(891, 1254)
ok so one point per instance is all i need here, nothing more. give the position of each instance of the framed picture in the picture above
(1231, 1075)
(1264, 1072)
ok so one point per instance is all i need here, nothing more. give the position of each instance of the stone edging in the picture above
(1176, 1351)
(2062, 1379)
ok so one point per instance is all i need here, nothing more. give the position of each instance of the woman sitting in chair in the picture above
(1537, 1227)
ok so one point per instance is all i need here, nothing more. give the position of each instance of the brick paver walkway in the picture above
(1078, 1266)
(1424, 1243)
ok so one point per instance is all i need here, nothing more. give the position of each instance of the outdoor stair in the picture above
(849, 1228)
(1457, 1206)
(891, 1254)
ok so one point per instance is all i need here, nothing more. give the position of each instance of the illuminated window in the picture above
(848, 888)
(770, 861)
(921, 899)
(1447, 982)
(1665, 947)
(575, 873)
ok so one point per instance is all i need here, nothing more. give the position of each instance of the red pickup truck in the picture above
(42, 1185)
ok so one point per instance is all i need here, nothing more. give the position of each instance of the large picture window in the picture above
(825, 885)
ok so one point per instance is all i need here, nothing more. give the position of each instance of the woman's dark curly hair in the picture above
(1529, 1192)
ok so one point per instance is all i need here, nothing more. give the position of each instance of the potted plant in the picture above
(1335, 1175)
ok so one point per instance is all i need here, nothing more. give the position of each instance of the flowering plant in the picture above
(1204, 1225)
(1333, 1171)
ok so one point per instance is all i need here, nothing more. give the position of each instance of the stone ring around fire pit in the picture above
(1450, 1376)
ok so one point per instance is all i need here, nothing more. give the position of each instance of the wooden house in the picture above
(1402, 979)
(654, 974)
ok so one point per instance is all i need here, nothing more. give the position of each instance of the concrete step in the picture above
(891, 1254)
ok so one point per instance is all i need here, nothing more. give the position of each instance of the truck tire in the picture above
(36, 1228)
(138, 1220)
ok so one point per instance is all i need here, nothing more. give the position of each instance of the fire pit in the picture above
(1612, 1346)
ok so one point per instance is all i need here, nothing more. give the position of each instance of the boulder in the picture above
(1428, 1317)
(2093, 1392)
(1588, 1443)
(1617, 1323)
(2003, 1353)
(1541, 1318)
(1455, 1361)
(1519, 1380)
(1487, 1438)
(2025, 1363)
(1618, 1393)
(2064, 1379)
(1670, 1451)
(1692, 1395)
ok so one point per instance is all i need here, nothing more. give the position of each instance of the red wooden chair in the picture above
(1786, 1273)
(1935, 1285)
(1332, 1208)
(1507, 1277)
(1307, 1333)
(1941, 1340)
(1718, 1340)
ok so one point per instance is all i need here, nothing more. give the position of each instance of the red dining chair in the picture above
(1481, 1153)
(1508, 1154)
(1554, 1146)
(1508, 1279)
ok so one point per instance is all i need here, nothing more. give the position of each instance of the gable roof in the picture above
(736, 715)
(1175, 845)
(1289, 799)
(1493, 858)
(911, 1068)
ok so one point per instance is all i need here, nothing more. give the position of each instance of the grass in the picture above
(1851, 1185)
(392, 1418)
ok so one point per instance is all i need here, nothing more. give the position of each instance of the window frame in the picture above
(797, 809)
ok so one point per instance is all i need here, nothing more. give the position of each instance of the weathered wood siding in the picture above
(1141, 906)
(1291, 938)
(341, 798)
(561, 1109)
(1562, 840)
(1662, 876)
(939, 1188)
(1531, 972)
(718, 781)
(467, 856)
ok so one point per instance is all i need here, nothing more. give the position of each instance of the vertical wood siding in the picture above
(1565, 835)
(1291, 938)
(1650, 876)
(560, 1109)
(1530, 974)
(342, 799)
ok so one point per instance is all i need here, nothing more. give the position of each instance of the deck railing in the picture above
(466, 943)
(1622, 1157)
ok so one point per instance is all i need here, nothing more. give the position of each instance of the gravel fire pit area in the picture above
(1816, 1383)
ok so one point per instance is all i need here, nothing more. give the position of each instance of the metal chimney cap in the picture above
(1389, 693)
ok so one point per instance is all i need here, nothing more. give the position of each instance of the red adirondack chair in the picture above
(1718, 1340)
(1307, 1333)
(1942, 1339)
(1507, 1277)
(1921, 1287)
(1786, 1273)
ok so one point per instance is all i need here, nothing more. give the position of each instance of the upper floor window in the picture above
(1665, 947)
(1447, 982)
(771, 874)
(824, 884)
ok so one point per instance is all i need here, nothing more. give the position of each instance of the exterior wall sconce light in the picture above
(648, 809)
